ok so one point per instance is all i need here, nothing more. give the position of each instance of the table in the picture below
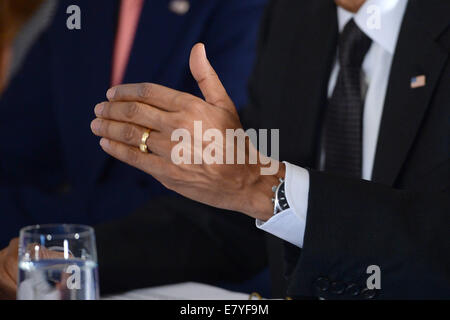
(182, 291)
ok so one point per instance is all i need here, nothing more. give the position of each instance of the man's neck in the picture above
(350, 5)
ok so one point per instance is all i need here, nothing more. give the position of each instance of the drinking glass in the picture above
(57, 262)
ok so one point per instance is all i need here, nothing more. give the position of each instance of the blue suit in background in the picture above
(52, 169)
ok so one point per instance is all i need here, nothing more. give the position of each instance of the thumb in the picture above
(207, 79)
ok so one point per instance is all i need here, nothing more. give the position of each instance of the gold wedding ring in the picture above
(143, 146)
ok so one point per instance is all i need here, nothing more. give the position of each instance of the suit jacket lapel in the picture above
(310, 64)
(418, 53)
(309, 59)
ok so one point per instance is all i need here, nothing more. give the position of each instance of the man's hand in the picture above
(9, 270)
(133, 108)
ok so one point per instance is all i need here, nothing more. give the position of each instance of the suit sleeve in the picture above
(354, 224)
(161, 244)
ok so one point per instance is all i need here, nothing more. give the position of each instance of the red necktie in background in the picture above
(130, 11)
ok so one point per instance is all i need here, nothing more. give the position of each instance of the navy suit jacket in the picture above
(52, 169)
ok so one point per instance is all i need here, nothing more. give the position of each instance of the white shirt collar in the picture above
(391, 18)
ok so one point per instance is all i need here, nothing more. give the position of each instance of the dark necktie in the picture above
(343, 118)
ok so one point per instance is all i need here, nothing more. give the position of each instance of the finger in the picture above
(127, 133)
(147, 162)
(46, 254)
(153, 94)
(131, 135)
(159, 144)
(13, 248)
(7, 284)
(8, 288)
(134, 112)
(207, 78)
(11, 263)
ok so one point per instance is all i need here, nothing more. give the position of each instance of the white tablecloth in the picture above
(182, 291)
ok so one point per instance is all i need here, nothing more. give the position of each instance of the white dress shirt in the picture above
(290, 224)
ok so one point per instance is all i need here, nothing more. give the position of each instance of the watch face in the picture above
(282, 201)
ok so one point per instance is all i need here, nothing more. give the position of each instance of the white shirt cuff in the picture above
(290, 224)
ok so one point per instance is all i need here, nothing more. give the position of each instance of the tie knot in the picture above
(353, 45)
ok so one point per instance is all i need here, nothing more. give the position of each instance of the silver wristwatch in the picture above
(280, 202)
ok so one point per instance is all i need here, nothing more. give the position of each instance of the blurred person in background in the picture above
(14, 25)
(145, 235)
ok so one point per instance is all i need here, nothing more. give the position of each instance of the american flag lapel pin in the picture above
(418, 82)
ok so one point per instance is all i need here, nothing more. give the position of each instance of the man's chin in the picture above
(350, 5)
